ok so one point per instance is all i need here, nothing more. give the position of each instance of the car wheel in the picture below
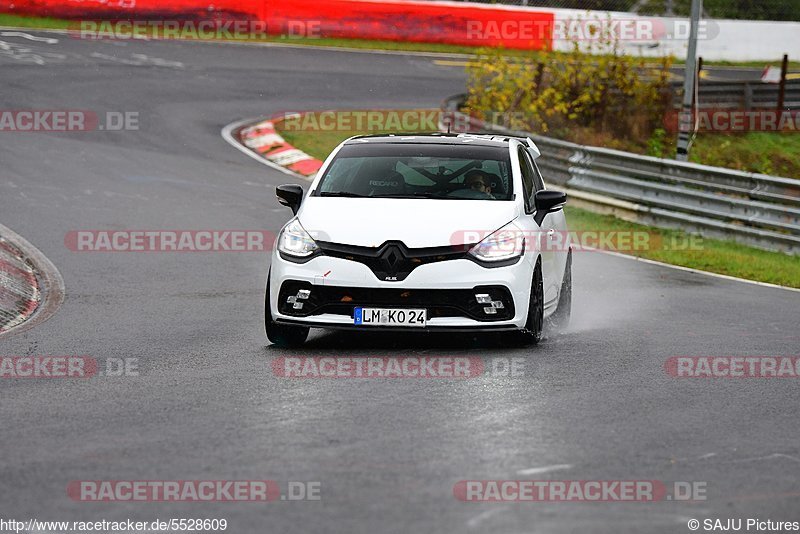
(559, 321)
(532, 333)
(285, 336)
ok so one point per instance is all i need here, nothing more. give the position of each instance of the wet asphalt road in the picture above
(206, 405)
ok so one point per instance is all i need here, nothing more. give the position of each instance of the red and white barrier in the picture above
(264, 140)
(398, 20)
(457, 23)
(19, 288)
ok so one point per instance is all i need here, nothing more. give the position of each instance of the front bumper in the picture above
(446, 289)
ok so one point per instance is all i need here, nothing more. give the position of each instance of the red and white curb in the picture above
(31, 288)
(260, 140)
(19, 289)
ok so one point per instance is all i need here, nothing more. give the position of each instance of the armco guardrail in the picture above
(755, 209)
(743, 95)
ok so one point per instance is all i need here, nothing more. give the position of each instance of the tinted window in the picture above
(406, 170)
(527, 178)
(537, 176)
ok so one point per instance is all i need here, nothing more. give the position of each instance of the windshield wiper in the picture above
(418, 194)
(348, 194)
(341, 194)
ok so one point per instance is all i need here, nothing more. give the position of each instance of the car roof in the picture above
(437, 139)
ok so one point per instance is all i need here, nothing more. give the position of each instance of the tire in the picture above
(532, 333)
(281, 335)
(559, 321)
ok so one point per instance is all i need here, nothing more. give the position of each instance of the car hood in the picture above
(370, 222)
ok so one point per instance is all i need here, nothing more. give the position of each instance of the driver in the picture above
(478, 181)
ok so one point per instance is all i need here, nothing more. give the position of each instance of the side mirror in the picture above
(547, 202)
(290, 195)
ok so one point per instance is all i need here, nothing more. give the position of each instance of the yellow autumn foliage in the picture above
(610, 93)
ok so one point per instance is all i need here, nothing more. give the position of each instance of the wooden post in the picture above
(782, 87)
(539, 75)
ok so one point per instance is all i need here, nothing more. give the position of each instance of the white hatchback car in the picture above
(439, 232)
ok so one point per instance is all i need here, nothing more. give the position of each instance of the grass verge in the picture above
(712, 255)
(317, 144)
(774, 153)
(20, 21)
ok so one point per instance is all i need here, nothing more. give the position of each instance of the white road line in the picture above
(770, 457)
(48, 40)
(545, 469)
(139, 60)
(703, 457)
(483, 516)
(417, 53)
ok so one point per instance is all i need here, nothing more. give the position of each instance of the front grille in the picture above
(393, 261)
(316, 300)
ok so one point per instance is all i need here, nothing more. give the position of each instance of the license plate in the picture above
(391, 317)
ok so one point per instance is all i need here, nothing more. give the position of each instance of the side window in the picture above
(527, 178)
(537, 176)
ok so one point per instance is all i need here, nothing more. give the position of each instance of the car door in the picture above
(545, 233)
(558, 239)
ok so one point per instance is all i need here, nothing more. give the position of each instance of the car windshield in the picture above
(405, 170)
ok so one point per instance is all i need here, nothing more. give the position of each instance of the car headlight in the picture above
(504, 244)
(295, 241)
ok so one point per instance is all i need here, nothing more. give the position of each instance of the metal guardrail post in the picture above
(689, 85)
